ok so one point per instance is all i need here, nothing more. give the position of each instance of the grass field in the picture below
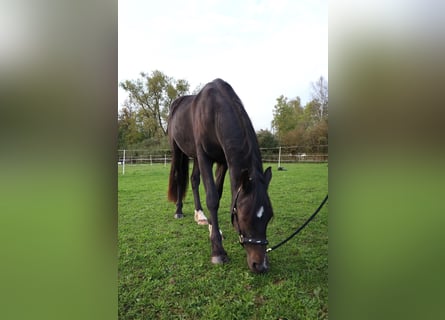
(164, 263)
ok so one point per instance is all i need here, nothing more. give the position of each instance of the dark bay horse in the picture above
(213, 127)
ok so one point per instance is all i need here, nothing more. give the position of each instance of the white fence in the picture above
(279, 155)
(143, 156)
(292, 154)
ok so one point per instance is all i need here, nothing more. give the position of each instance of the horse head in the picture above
(251, 212)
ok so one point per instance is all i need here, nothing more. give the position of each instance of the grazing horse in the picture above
(213, 127)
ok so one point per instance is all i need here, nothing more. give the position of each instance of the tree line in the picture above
(142, 120)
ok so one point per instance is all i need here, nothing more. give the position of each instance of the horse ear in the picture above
(245, 180)
(268, 176)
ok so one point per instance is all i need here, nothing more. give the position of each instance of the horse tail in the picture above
(178, 173)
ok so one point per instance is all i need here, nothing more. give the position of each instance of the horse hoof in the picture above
(220, 259)
(200, 218)
(179, 216)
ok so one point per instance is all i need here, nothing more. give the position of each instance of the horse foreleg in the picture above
(200, 217)
(220, 174)
(219, 255)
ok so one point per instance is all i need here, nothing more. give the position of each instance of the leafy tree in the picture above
(311, 113)
(151, 96)
(128, 132)
(287, 115)
(320, 97)
(283, 117)
(266, 139)
(303, 126)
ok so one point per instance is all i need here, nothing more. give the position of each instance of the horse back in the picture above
(222, 122)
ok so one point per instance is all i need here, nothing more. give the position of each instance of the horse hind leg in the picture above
(200, 217)
(178, 213)
(178, 179)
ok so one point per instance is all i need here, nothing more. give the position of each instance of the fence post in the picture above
(123, 163)
(279, 157)
(165, 159)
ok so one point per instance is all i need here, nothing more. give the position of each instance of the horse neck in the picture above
(244, 155)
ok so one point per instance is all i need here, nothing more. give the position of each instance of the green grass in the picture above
(164, 263)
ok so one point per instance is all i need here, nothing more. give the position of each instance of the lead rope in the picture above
(300, 228)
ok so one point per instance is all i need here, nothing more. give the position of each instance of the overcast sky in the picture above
(263, 48)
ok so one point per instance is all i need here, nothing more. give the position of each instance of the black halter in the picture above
(243, 239)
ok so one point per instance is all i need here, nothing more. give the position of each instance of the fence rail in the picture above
(285, 154)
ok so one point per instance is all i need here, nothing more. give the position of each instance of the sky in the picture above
(263, 48)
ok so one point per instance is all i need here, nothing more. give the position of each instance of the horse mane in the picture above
(250, 144)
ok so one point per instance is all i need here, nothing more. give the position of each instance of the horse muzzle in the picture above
(258, 262)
